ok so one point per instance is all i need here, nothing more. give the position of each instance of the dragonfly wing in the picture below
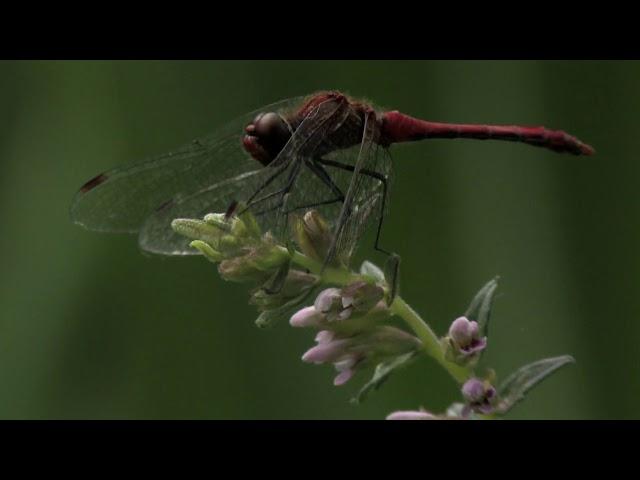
(263, 189)
(156, 234)
(121, 199)
(369, 177)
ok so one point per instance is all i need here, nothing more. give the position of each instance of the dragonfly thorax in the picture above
(266, 136)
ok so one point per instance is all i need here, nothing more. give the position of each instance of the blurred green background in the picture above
(91, 328)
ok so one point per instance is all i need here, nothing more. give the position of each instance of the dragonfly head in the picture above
(266, 136)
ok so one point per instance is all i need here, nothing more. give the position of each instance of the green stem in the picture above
(328, 275)
(430, 341)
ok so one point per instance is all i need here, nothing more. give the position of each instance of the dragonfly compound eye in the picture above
(266, 136)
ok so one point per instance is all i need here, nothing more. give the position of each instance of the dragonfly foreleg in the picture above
(251, 202)
(284, 192)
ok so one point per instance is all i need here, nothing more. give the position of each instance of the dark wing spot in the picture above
(94, 182)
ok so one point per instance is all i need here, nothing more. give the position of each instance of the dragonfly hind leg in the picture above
(392, 265)
(385, 186)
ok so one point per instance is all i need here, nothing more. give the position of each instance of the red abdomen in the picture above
(398, 127)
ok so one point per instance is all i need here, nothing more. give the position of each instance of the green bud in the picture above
(197, 230)
(250, 226)
(219, 220)
(372, 271)
(297, 283)
(241, 269)
(256, 265)
(229, 244)
(269, 257)
(206, 249)
(313, 235)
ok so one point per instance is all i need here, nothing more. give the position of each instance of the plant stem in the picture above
(430, 341)
(328, 275)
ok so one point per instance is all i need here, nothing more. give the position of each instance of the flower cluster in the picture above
(236, 243)
(351, 333)
(244, 254)
(352, 312)
(480, 396)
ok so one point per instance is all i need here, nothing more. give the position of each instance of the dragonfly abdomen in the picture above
(398, 127)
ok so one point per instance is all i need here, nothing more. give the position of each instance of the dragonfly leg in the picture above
(280, 192)
(322, 174)
(317, 204)
(392, 265)
(265, 184)
(284, 192)
(377, 176)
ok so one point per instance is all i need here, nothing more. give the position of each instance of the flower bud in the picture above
(207, 250)
(307, 317)
(246, 226)
(464, 344)
(257, 265)
(412, 415)
(353, 309)
(219, 220)
(358, 297)
(313, 235)
(240, 270)
(226, 237)
(361, 296)
(197, 230)
(480, 395)
(295, 284)
(269, 258)
(350, 353)
(329, 303)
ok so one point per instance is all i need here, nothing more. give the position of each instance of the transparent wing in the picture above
(369, 169)
(121, 199)
(370, 190)
(348, 187)
(267, 191)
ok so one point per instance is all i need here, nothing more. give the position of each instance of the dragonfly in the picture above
(326, 151)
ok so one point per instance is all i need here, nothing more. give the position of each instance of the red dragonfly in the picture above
(326, 151)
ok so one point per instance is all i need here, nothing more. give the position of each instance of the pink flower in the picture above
(466, 336)
(411, 415)
(349, 353)
(480, 395)
(360, 304)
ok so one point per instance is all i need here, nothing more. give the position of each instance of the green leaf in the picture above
(381, 374)
(392, 275)
(370, 270)
(480, 307)
(515, 387)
